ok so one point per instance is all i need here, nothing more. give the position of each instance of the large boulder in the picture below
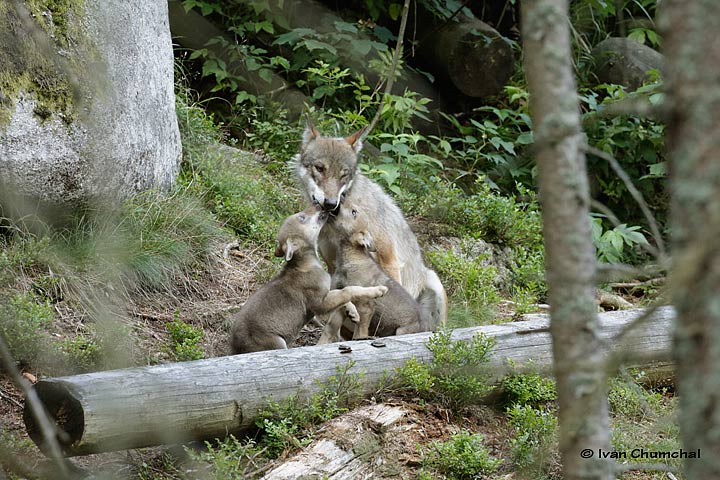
(624, 61)
(87, 105)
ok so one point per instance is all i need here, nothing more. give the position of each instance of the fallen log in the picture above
(171, 403)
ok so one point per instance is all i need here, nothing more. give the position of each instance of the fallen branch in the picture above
(176, 402)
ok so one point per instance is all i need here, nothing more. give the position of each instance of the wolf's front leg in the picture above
(331, 331)
(336, 298)
(366, 309)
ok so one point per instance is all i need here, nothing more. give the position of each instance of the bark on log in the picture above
(469, 54)
(176, 402)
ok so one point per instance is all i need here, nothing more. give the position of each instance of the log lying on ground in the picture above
(171, 403)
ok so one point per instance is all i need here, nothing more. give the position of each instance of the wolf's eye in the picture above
(354, 213)
(302, 217)
(320, 168)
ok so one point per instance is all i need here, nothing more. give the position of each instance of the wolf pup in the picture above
(273, 316)
(397, 312)
(327, 169)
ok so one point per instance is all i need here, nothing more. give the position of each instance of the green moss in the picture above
(33, 65)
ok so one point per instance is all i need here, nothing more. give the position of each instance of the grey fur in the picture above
(327, 168)
(273, 316)
(397, 312)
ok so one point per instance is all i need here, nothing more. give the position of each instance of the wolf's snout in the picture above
(331, 204)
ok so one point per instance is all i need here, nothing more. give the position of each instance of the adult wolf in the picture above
(327, 168)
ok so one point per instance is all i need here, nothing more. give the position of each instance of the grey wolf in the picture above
(273, 316)
(327, 170)
(397, 312)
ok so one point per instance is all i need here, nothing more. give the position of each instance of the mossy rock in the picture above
(87, 106)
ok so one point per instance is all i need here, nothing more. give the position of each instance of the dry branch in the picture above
(171, 403)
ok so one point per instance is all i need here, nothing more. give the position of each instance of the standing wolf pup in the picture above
(396, 313)
(273, 316)
(327, 168)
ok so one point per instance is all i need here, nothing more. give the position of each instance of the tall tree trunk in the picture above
(570, 259)
(692, 46)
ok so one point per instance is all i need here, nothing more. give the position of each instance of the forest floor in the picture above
(208, 300)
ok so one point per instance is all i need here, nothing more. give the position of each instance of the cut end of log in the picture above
(64, 409)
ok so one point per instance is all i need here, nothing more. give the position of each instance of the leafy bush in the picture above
(611, 245)
(454, 378)
(23, 317)
(289, 424)
(531, 446)
(466, 280)
(228, 458)
(462, 457)
(185, 340)
(82, 353)
(629, 399)
(529, 389)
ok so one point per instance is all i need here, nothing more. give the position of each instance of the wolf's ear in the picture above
(289, 250)
(355, 140)
(286, 249)
(311, 133)
(364, 239)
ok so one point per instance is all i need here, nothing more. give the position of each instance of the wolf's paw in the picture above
(379, 291)
(351, 313)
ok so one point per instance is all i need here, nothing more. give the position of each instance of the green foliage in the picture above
(237, 188)
(23, 316)
(83, 354)
(637, 144)
(629, 399)
(595, 20)
(288, 425)
(185, 340)
(529, 389)
(612, 245)
(169, 235)
(228, 458)
(454, 378)
(468, 282)
(489, 143)
(462, 457)
(531, 446)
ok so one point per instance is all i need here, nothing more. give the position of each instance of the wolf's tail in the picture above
(433, 301)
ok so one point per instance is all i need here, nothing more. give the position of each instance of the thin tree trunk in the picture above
(692, 46)
(570, 259)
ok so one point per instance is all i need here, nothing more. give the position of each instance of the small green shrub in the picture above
(288, 425)
(467, 279)
(228, 458)
(463, 457)
(454, 378)
(83, 354)
(185, 340)
(615, 245)
(23, 316)
(629, 399)
(532, 445)
(530, 389)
